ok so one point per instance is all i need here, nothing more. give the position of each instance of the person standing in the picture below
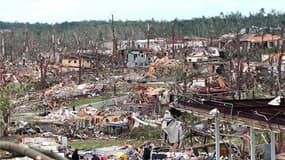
(95, 157)
(75, 155)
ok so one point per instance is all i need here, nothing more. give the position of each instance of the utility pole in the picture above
(281, 52)
(239, 67)
(26, 47)
(114, 50)
(3, 45)
(231, 72)
(43, 71)
(79, 56)
(53, 47)
(173, 37)
(252, 143)
(148, 29)
(248, 74)
(185, 72)
(217, 136)
(114, 39)
(96, 57)
(211, 32)
(282, 44)
(11, 46)
(80, 67)
(262, 41)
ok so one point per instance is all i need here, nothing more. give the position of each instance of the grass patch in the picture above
(93, 144)
(146, 133)
(167, 78)
(83, 101)
(138, 136)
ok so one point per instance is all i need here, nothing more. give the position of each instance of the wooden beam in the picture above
(234, 119)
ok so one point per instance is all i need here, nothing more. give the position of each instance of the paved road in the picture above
(30, 116)
(108, 102)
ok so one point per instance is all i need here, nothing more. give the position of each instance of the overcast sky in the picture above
(52, 11)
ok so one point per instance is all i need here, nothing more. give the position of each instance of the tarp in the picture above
(121, 155)
(143, 122)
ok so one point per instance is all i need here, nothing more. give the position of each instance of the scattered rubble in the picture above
(141, 92)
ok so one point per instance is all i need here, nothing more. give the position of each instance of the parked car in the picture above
(25, 131)
(45, 113)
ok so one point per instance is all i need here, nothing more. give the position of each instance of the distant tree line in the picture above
(38, 36)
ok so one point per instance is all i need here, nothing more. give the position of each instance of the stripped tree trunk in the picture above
(23, 150)
(6, 118)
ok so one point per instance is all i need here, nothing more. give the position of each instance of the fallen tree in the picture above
(50, 154)
(24, 150)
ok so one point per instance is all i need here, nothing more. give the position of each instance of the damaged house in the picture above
(225, 40)
(250, 40)
(156, 44)
(73, 61)
(178, 42)
(203, 54)
(268, 59)
(138, 59)
(193, 41)
(265, 40)
(209, 85)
